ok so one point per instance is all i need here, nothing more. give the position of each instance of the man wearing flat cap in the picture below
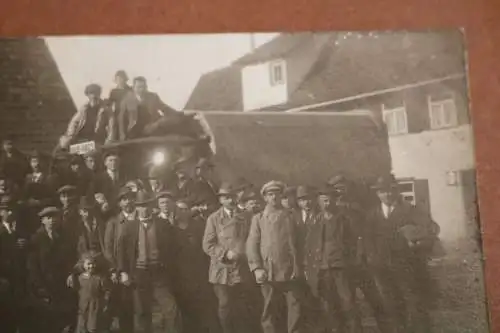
(399, 239)
(224, 241)
(90, 122)
(289, 199)
(145, 257)
(274, 258)
(156, 180)
(12, 267)
(121, 296)
(49, 266)
(205, 188)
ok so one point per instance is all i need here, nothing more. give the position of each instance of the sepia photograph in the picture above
(307, 182)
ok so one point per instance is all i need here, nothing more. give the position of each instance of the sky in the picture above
(172, 64)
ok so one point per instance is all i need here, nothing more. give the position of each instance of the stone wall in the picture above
(35, 104)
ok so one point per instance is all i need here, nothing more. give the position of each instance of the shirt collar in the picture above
(10, 227)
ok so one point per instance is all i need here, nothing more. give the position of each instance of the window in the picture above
(277, 73)
(442, 112)
(395, 119)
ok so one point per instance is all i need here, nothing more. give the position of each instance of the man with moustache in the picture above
(399, 239)
(121, 298)
(274, 258)
(224, 241)
(145, 259)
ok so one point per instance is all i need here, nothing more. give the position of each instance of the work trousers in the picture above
(363, 278)
(150, 286)
(404, 290)
(273, 313)
(121, 307)
(238, 307)
(338, 301)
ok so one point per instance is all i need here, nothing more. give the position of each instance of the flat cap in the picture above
(76, 159)
(272, 186)
(144, 198)
(125, 191)
(166, 194)
(337, 181)
(49, 211)
(67, 189)
(226, 188)
(249, 195)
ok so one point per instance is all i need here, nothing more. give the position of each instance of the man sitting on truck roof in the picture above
(90, 122)
(143, 113)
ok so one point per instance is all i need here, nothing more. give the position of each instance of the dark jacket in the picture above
(128, 249)
(48, 265)
(104, 184)
(385, 240)
(14, 168)
(129, 112)
(12, 261)
(113, 235)
(83, 244)
(327, 245)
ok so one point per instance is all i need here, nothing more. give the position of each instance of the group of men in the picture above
(130, 112)
(227, 258)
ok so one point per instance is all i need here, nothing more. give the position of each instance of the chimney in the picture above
(252, 42)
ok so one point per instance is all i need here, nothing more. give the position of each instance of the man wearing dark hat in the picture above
(205, 188)
(327, 262)
(349, 208)
(398, 241)
(145, 257)
(121, 297)
(90, 122)
(13, 163)
(111, 179)
(155, 180)
(49, 266)
(289, 199)
(250, 202)
(12, 267)
(78, 175)
(274, 258)
(224, 241)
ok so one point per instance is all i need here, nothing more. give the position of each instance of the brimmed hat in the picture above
(242, 184)
(144, 198)
(290, 191)
(36, 154)
(249, 195)
(49, 211)
(86, 203)
(7, 201)
(388, 182)
(337, 181)
(272, 186)
(166, 194)
(304, 191)
(203, 162)
(326, 190)
(70, 189)
(125, 191)
(226, 188)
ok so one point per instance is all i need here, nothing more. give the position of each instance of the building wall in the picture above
(35, 104)
(431, 155)
(257, 89)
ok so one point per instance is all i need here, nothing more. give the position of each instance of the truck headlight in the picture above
(158, 158)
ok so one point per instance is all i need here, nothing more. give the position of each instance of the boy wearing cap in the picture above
(12, 267)
(224, 241)
(121, 297)
(398, 241)
(90, 122)
(275, 260)
(48, 267)
(145, 258)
